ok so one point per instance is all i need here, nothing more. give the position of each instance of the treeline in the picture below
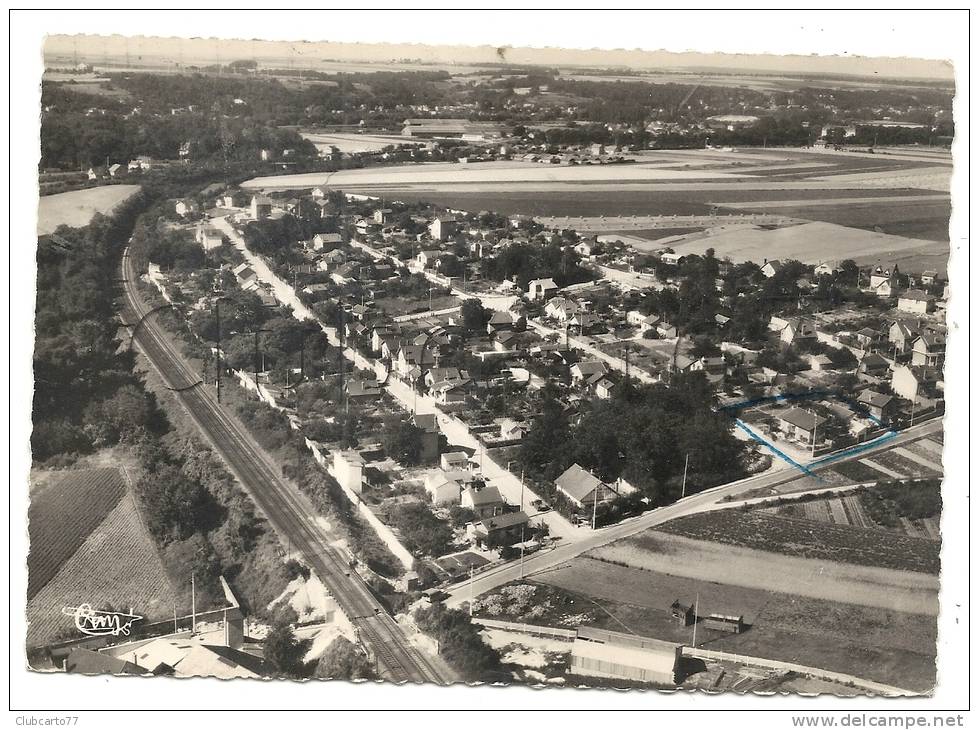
(88, 396)
(525, 262)
(644, 435)
(73, 139)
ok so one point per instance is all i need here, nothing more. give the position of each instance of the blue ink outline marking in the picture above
(810, 395)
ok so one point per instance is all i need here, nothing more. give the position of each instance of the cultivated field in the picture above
(903, 561)
(811, 243)
(771, 571)
(76, 208)
(880, 643)
(352, 143)
(116, 566)
(64, 510)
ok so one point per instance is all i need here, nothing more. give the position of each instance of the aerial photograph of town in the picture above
(561, 371)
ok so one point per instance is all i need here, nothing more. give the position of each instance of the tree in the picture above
(284, 652)
(403, 441)
(474, 315)
(344, 660)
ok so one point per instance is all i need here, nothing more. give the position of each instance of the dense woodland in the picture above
(88, 396)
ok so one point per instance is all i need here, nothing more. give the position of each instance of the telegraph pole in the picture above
(683, 487)
(217, 316)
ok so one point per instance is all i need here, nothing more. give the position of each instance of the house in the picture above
(586, 248)
(318, 193)
(604, 388)
(883, 280)
(908, 382)
(348, 470)
(800, 424)
(541, 289)
(442, 488)
(505, 341)
(499, 321)
(771, 268)
(328, 241)
(928, 278)
(185, 207)
(796, 330)
(820, 363)
(116, 170)
(446, 393)
(382, 216)
(86, 661)
(928, 350)
(610, 654)
(454, 460)
(261, 207)
(638, 319)
(561, 309)
(827, 268)
(582, 488)
(915, 301)
(512, 430)
(597, 149)
(434, 376)
(443, 228)
(666, 331)
(246, 276)
(584, 321)
(588, 371)
(485, 502)
(209, 237)
(880, 406)
(426, 259)
(900, 335)
(331, 261)
(501, 529)
(868, 339)
(363, 391)
(873, 364)
(428, 423)
(670, 258)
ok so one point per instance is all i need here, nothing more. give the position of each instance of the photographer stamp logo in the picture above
(93, 622)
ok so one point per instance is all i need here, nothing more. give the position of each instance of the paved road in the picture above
(690, 505)
(286, 508)
(455, 430)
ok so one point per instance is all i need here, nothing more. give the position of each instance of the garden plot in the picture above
(76, 208)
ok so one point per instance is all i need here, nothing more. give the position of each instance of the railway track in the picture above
(396, 659)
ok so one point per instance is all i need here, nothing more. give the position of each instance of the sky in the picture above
(199, 51)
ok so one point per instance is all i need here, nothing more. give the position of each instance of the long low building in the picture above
(451, 129)
(610, 654)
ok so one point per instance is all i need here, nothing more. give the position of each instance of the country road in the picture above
(287, 509)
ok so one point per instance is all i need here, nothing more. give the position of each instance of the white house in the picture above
(915, 301)
(541, 288)
(348, 469)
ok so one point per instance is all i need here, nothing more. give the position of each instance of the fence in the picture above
(533, 629)
(826, 674)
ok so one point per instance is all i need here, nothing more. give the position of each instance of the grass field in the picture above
(807, 539)
(737, 564)
(810, 243)
(63, 512)
(876, 643)
(116, 566)
(76, 208)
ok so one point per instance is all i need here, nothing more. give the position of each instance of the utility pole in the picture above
(683, 487)
(470, 590)
(696, 618)
(258, 331)
(522, 546)
(217, 317)
(594, 508)
(193, 605)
